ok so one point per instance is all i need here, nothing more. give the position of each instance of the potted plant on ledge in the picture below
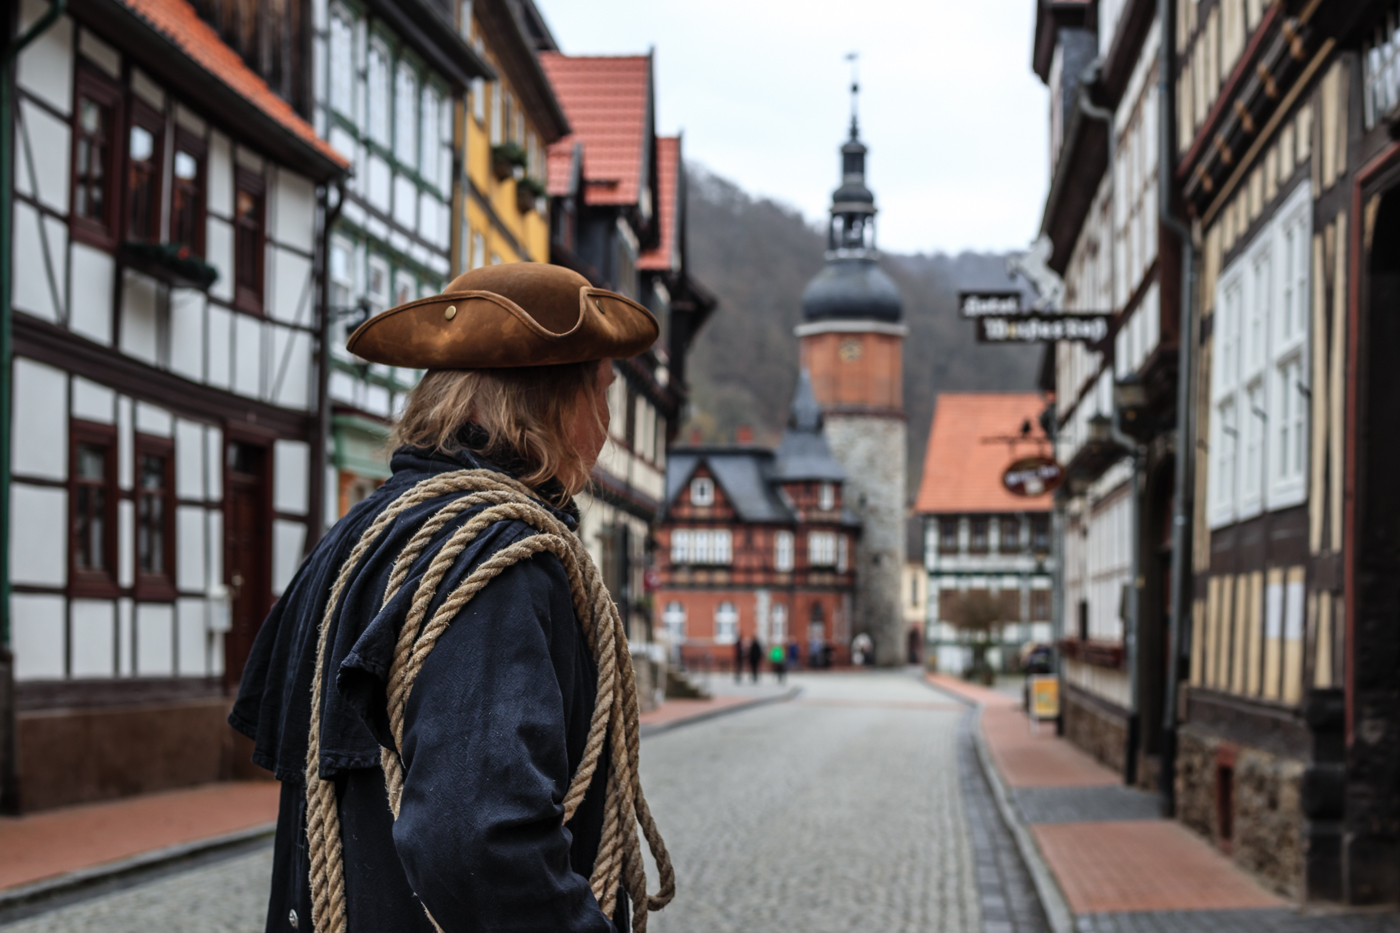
(172, 263)
(506, 159)
(528, 191)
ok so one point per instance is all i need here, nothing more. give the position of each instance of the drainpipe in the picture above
(8, 795)
(330, 214)
(1183, 491)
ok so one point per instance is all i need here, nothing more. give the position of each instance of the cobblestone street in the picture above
(840, 810)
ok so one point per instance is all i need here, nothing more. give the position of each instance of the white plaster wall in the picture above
(189, 460)
(91, 273)
(218, 252)
(291, 286)
(93, 633)
(155, 640)
(126, 637)
(288, 542)
(99, 53)
(220, 372)
(46, 65)
(187, 313)
(214, 578)
(46, 137)
(140, 310)
(153, 420)
(247, 355)
(289, 368)
(40, 420)
(377, 183)
(192, 638)
(294, 217)
(125, 420)
(214, 462)
(126, 531)
(291, 461)
(37, 636)
(219, 193)
(93, 402)
(34, 291)
(39, 518)
(190, 544)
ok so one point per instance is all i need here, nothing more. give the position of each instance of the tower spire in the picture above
(854, 59)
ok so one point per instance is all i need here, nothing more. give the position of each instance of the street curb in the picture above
(647, 731)
(12, 899)
(1052, 899)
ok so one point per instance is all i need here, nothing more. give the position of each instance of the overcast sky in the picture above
(954, 117)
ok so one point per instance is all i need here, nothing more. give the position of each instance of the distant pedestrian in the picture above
(738, 659)
(755, 657)
(794, 658)
(778, 656)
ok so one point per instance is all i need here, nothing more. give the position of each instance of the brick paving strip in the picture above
(1117, 867)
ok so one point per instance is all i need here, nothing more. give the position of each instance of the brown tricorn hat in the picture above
(514, 314)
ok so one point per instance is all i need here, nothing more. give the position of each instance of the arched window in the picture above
(726, 623)
(778, 626)
(674, 619)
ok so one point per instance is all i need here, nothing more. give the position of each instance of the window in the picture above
(726, 623)
(1259, 384)
(430, 156)
(782, 551)
(143, 172)
(478, 251)
(978, 539)
(377, 284)
(1040, 606)
(826, 497)
(497, 126)
(947, 536)
(1010, 534)
(187, 193)
(96, 118)
(479, 100)
(777, 625)
(1010, 602)
(843, 553)
(377, 75)
(673, 617)
(405, 288)
(702, 491)
(821, 548)
(155, 516)
(702, 546)
(406, 115)
(92, 509)
(248, 241)
(342, 63)
(1040, 534)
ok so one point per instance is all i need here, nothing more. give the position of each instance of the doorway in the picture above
(247, 550)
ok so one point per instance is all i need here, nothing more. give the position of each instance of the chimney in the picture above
(743, 434)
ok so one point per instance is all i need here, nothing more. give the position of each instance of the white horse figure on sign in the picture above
(1034, 266)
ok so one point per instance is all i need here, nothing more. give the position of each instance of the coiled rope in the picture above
(619, 861)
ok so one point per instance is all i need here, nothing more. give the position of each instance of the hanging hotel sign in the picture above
(1043, 328)
(1033, 476)
(980, 304)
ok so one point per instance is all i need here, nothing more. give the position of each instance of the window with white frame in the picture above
(726, 623)
(821, 548)
(1259, 386)
(377, 77)
(342, 63)
(430, 156)
(782, 551)
(479, 100)
(406, 115)
(673, 617)
(843, 553)
(497, 121)
(702, 546)
(702, 491)
(826, 496)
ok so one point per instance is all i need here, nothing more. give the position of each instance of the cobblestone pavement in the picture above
(850, 808)
(226, 897)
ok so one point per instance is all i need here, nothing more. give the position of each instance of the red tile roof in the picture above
(559, 166)
(668, 169)
(962, 469)
(606, 99)
(178, 22)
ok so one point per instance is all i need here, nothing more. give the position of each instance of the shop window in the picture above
(248, 220)
(96, 154)
(1010, 534)
(978, 541)
(155, 517)
(947, 536)
(144, 148)
(782, 551)
(92, 509)
(187, 193)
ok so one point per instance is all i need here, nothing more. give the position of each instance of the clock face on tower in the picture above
(850, 350)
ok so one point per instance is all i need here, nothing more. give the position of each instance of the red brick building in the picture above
(758, 543)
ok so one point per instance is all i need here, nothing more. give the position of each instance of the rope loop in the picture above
(614, 722)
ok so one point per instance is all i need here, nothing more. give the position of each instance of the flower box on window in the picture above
(172, 263)
(528, 192)
(506, 158)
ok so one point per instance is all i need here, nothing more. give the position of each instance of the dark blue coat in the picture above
(494, 729)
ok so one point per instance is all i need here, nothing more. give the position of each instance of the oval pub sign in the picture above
(1033, 476)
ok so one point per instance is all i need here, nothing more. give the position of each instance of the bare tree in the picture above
(979, 614)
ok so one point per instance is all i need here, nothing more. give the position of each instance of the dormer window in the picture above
(826, 497)
(702, 492)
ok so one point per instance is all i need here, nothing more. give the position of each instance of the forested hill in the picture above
(757, 256)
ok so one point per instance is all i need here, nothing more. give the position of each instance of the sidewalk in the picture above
(727, 697)
(1116, 864)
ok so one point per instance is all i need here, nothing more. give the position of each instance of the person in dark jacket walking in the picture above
(755, 657)
(450, 630)
(738, 660)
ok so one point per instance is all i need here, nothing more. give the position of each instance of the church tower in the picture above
(852, 335)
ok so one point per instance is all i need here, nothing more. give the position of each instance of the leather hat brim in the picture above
(485, 330)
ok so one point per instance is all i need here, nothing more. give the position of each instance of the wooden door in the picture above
(247, 551)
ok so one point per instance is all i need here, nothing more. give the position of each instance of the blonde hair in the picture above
(525, 418)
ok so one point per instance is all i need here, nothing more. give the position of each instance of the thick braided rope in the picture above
(619, 862)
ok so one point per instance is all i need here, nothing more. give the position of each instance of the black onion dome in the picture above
(852, 193)
(852, 289)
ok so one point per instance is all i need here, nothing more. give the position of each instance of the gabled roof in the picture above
(963, 464)
(743, 475)
(665, 255)
(804, 453)
(607, 100)
(237, 93)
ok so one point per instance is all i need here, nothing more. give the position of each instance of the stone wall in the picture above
(871, 449)
(1266, 812)
(1094, 729)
